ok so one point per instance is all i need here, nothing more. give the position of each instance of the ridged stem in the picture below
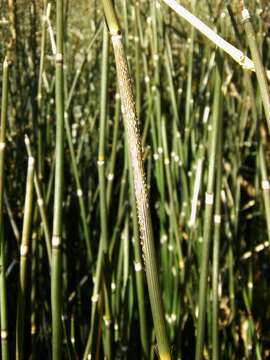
(216, 250)
(56, 277)
(141, 192)
(39, 93)
(3, 294)
(102, 190)
(24, 252)
(259, 69)
(265, 185)
(140, 278)
(41, 206)
(207, 226)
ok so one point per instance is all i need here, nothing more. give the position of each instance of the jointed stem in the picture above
(56, 288)
(141, 193)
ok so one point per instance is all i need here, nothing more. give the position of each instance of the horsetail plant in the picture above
(3, 296)
(24, 260)
(56, 273)
(102, 193)
(41, 205)
(87, 295)
(256, 56)
(216, 246)
(39, 93)
(207, 225)
(265, 94)
(138, 267)
(141, 193)
(236, 54)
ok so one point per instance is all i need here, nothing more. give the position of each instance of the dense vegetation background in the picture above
(177, 74)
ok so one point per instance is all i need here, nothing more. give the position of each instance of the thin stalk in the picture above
(39, 93)
(265, 185)
(114, 150)
(259, 69)
(216, 251)
(24, 251)
(209, 201)
(3, 294)
(41, 206)
(95, 300)
(12, 219)
(231, 50)
(56, 277)
(80, 69)
(102, 187)
(173, 212)
(79, 190)
(189, 98)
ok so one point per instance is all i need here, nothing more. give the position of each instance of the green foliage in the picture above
(183, 89)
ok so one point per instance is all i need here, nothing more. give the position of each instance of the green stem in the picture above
(56, 277)
(209, 200)
(24, 251)
(3, 294)
(257, 59)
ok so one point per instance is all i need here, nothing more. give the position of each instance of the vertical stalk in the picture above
(265, 185)
(114, 150)
(141, 192)
(24, 251)
(189, 99)
(39, 93)
(41, 205)
(265, 94)
(209, 201)
(216, 250)
(56, 288)
(102, 135)
(102, 187)
(259, 69)
(140, 279)
(3, 295)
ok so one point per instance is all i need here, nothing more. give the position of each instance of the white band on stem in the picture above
(265, 185)
(56, 240)
(94, 298)
(58, 57)
(166, 161)
(40, 202)
(100, 162)
(217, 219)
(138, 266)
(4, 334)
(115, 38)
(24, 250)
(79, 193)
(245, 14)
(31, 161)
(209, 198)
(107, 321)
